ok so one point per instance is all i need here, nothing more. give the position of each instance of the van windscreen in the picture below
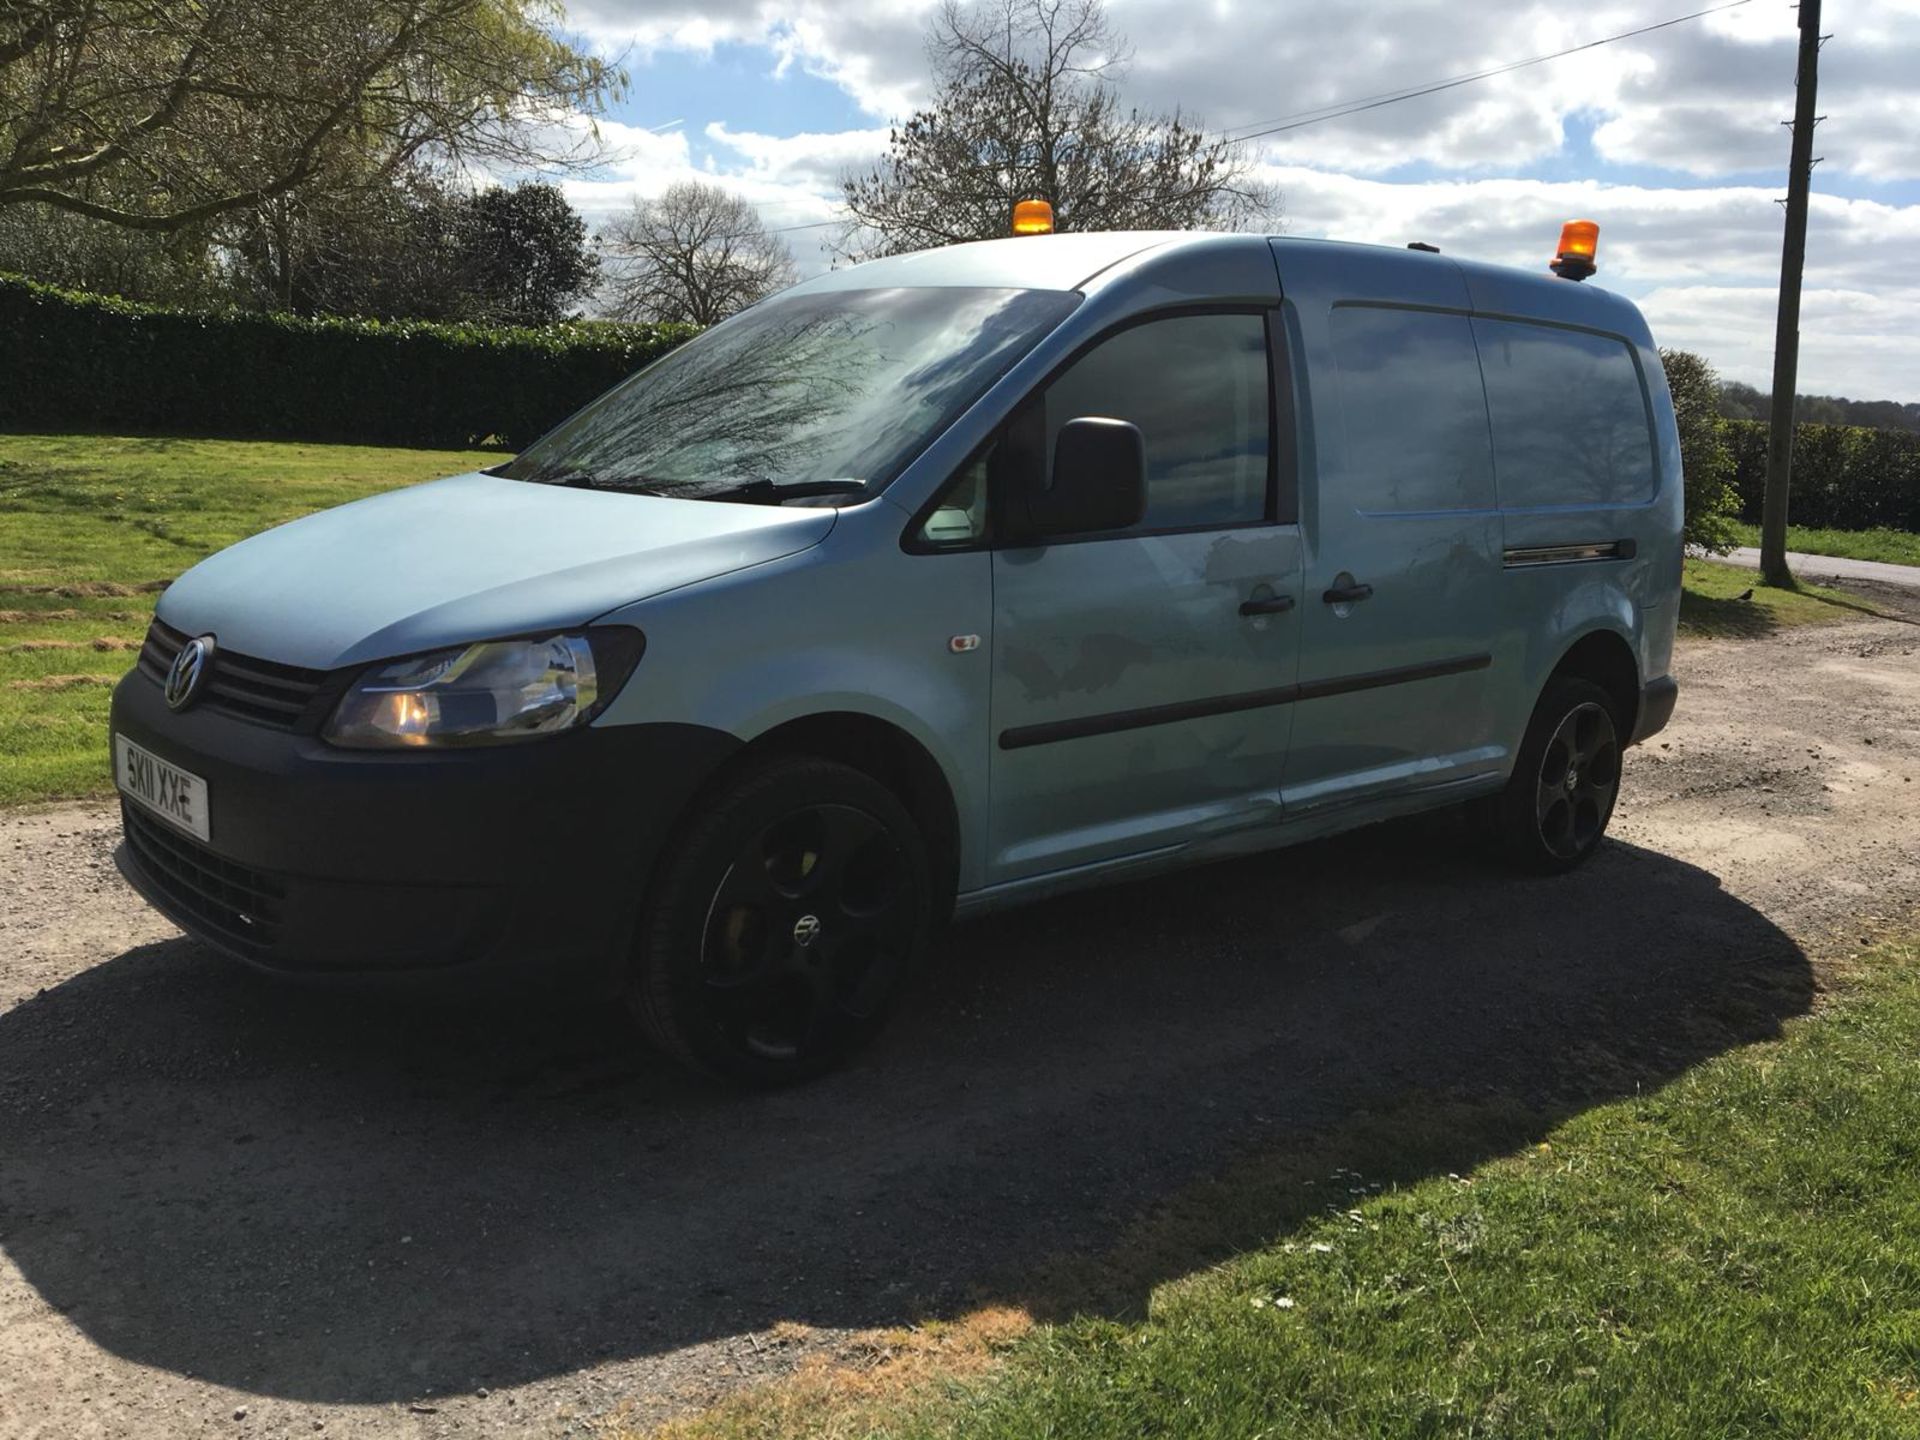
(803, 395)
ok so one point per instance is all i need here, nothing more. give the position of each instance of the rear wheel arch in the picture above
(1605, 658)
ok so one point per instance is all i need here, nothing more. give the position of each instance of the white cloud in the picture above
(791, 180)
(1702, 263)
(873, 49)
(1853, 342)
(818, 160)
(1705, 96)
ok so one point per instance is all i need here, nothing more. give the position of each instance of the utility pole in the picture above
(1786, 335)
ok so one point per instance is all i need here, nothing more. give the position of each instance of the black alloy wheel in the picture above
(1579, 777)
(786, 925)
(1555, 808)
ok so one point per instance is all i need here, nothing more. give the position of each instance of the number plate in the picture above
(168, 791)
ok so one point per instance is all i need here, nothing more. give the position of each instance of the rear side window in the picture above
(1416, 421)
(1570, 418)
(1198, 388)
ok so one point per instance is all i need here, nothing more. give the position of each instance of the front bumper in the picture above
(518, 863)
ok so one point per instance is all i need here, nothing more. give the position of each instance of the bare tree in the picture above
(163, 114)
(696, 254)
(1028, 106)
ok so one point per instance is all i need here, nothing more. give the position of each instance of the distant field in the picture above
(1896, 547)
(92, 527)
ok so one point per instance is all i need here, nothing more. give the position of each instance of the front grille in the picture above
(241, 906)
(262, 691)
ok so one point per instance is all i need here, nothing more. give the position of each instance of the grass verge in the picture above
(91, 529)
(1737, 1253)
(1895, 547)
(1729, 602)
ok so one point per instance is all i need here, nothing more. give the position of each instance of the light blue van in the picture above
(934, 584)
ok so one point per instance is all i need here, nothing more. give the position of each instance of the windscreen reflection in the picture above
(837, 390)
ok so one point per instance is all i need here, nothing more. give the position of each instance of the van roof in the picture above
(1075, 261)
(1027, 262)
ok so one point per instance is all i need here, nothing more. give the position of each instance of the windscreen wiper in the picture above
(772, 492)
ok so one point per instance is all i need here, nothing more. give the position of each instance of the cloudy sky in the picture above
(1672, 141)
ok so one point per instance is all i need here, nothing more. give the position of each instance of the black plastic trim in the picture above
(1284, 427)
(1398, 675)
(1657, 699)
(261, 692)
(1051, 732)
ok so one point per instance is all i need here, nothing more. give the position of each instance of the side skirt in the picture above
(1313, 825)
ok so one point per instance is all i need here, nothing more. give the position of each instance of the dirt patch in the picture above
(87, 589)
(844, 1386)
(49, 617)
(62, 682)
(102, 643)
(424, 1219)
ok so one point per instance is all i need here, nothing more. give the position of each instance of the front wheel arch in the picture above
(889, 755)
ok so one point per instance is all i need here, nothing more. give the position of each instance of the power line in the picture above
(789, 229)
(1301, 119)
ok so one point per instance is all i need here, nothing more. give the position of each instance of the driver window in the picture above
(1198, 388)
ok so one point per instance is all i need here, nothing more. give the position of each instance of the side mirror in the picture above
(1099, 480)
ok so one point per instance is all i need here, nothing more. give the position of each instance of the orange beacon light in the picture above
(1032, 217)
(1579, 240)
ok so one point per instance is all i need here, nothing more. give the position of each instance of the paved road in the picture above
(1834, 567)
(349, 1217)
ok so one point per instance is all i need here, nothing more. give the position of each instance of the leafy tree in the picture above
(415, 248)
(163, 114)
(378, 246)
(696, 254)
(1711, 504)
(1740, 401)
(1744, 402)
(522, 256)
(76, 252)
(1027, 106)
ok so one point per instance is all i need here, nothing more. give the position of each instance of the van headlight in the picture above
(486, 694)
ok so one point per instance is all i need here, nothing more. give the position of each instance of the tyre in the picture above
(787, 917)
(1555, 808)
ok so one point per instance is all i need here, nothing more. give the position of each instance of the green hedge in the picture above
(1845, 477)
(71, 361)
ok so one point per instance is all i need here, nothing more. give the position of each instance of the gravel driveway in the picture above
(232, 1207)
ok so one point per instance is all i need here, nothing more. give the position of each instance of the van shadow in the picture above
(343, 1199)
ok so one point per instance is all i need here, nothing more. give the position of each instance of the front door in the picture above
(1141, 677)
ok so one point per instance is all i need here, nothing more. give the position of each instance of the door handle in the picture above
(1267, 605)
(1346, 594)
